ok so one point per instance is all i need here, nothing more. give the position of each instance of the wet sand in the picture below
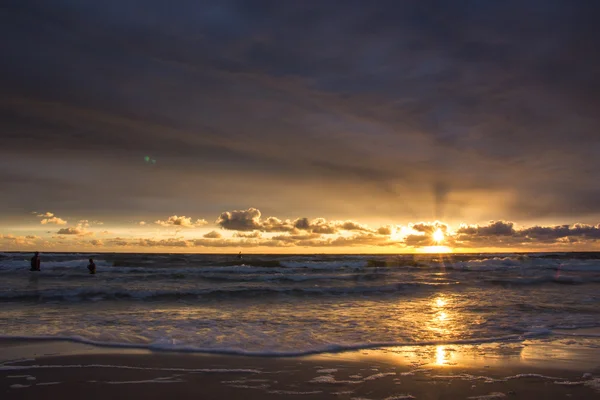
(64, 370)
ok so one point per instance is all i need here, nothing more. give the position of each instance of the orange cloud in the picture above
(181, 221)
(53, 220)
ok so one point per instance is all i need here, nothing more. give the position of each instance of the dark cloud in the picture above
(403, 110)
(429, 227)
(273, 224)
(212, 235)
(419, 240)
(240, 220)
(385, 230)
(70, 231)
(504, 234)
(354, 226)
(250, 220)
(494, 228)
(561, 231)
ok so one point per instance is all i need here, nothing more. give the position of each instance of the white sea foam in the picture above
(378, 376)
(593, 383)
(329, 348)
(491, 396)
(414, 371)
(469, 377)
(261, 386)
(168, 379)
(292, 392)
(569, 383)
(331, 379)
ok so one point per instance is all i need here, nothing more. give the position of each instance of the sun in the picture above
(438, 236)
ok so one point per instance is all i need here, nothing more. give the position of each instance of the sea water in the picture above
(298, 304)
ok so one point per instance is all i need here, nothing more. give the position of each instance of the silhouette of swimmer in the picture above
(239, 256)
(92, 267)
(35, 262)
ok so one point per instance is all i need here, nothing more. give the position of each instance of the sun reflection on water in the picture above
(442, 319)
(442, 316)
(441, 357)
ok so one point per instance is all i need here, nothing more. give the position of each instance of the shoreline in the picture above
(571, 350)
(71, 370)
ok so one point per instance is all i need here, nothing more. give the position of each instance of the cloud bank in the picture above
(249, 229)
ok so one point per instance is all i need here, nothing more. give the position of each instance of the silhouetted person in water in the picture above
(240, 256)
(92, 267)
(35, 262)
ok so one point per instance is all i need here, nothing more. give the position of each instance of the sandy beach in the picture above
(48, 369)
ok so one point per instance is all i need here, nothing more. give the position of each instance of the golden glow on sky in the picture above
(248, 231)
(436, 249)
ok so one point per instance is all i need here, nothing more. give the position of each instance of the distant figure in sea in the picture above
(92, 267)
(239, 256)
(35, 262)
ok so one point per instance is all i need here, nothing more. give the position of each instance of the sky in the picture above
(299, 126)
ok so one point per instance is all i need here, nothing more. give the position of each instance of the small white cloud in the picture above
(46, 215)
(53, 220)
(142, 223)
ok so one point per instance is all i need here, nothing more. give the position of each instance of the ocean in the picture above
(290, 305)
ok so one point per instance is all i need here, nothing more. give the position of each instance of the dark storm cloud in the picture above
(244, 220)
(250, 220)
(551, 233)
(494, 228)
(504, 234)
(396, 108)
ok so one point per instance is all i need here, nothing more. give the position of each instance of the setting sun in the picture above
(438, 235)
